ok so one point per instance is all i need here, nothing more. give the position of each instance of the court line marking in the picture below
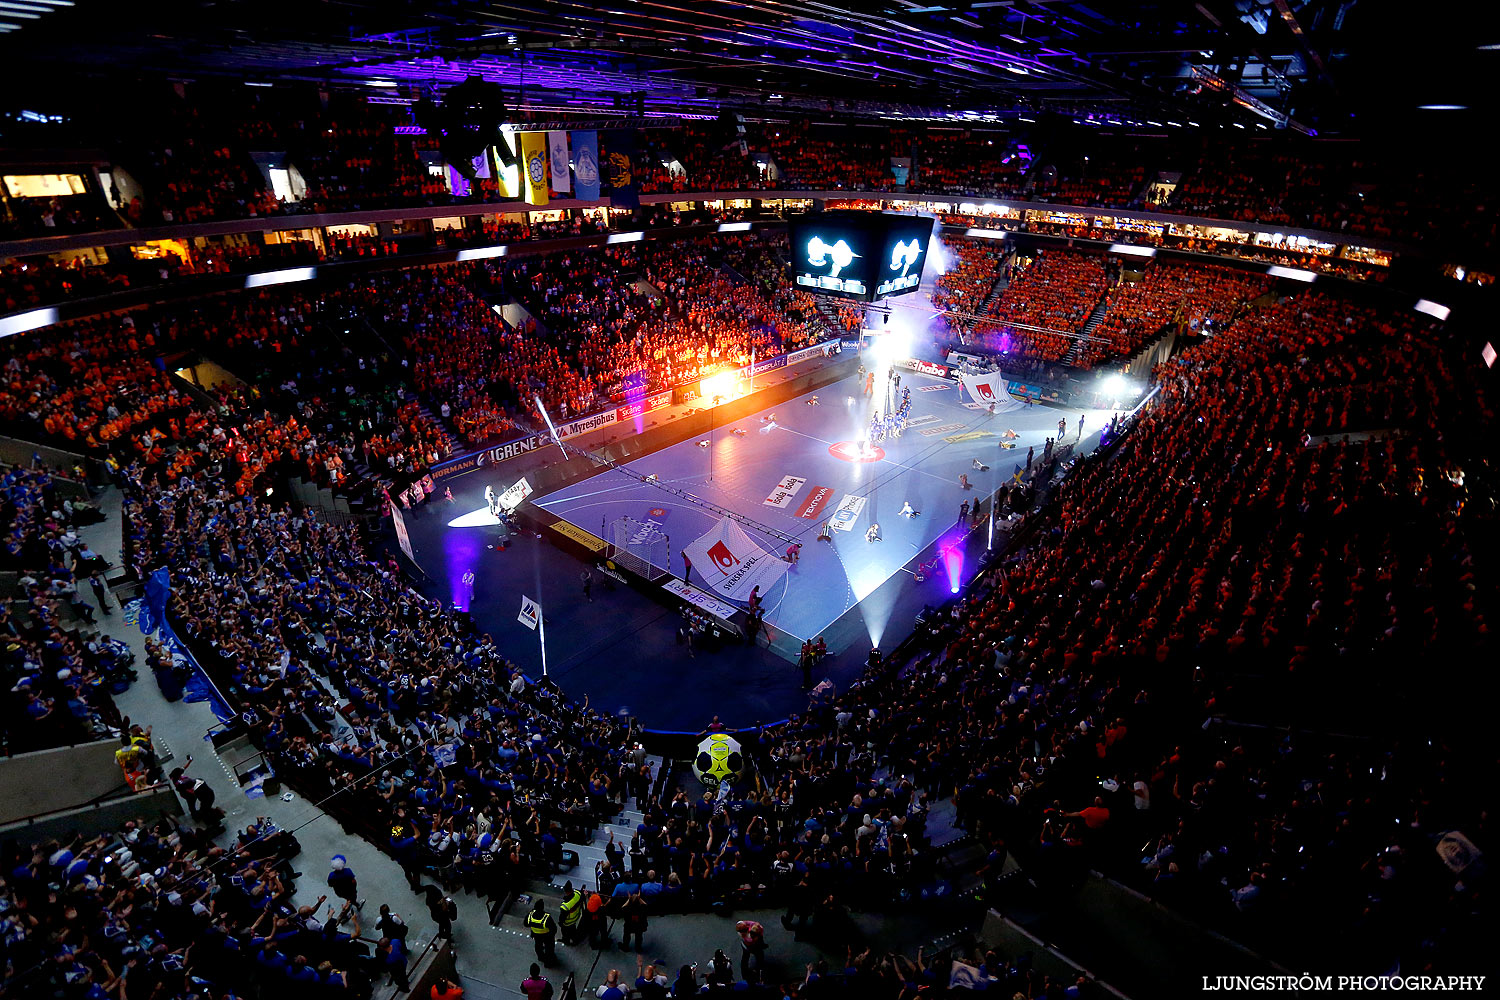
(584, 496)
(971, 420)
(884, 461)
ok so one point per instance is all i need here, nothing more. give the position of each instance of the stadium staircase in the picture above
(1001, 284)
(450, 437)
(732, 274)
(622, 826)
(829, 317)
(1095, 318)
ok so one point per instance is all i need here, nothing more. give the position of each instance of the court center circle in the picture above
(849, 451)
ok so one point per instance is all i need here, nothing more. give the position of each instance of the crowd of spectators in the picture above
(100, 386)
(25, 283)
(962, 162)
(975, 267)
(813, 157)
(1113, 177)
(1229, 534)
(1291, 506)
(1198, 297)
(191, 156)
(58, 682)
(1055, 289)
(49, 216)
(1245, 189)
(601, 322)
(1094, 652)
(1059, 290)
(711, 159)
(156, 908)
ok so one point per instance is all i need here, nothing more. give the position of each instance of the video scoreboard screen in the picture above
(858, 255)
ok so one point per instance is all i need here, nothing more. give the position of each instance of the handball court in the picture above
(812, 452)
(850, 590)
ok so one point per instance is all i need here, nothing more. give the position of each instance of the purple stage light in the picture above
(461, 552)
(953, 562)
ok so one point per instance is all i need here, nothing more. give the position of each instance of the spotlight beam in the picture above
(555, 439)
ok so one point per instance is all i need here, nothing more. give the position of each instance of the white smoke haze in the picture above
(939, 257)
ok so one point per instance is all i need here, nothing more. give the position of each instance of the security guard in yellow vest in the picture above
(571, 913)
(543, 932)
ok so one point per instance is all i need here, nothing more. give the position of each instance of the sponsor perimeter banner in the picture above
(531, 613)
(782, 493)
(557, 151)
(700, 600)
(589, 541)
(847, 512)
(731, 563)
(811, 352)
(655, 401)
(816, 500)
(924, 367)
(573, 428)
(763, 365)
(490, 456)
(583, 425)
(398, 520)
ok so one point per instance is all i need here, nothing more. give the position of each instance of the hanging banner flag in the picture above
(557, 149)
(987, 389)
(458, 184)
(531, 613)
(620, 166)
(153, 611)
(534, 166)
(586, 164)
(731, 563)
(509, 178)
(398, 520)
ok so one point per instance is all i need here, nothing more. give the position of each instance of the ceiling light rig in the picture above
(468, 121)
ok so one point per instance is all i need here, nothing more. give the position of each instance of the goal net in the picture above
(640, 547)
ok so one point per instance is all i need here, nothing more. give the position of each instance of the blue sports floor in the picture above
(921, 467)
